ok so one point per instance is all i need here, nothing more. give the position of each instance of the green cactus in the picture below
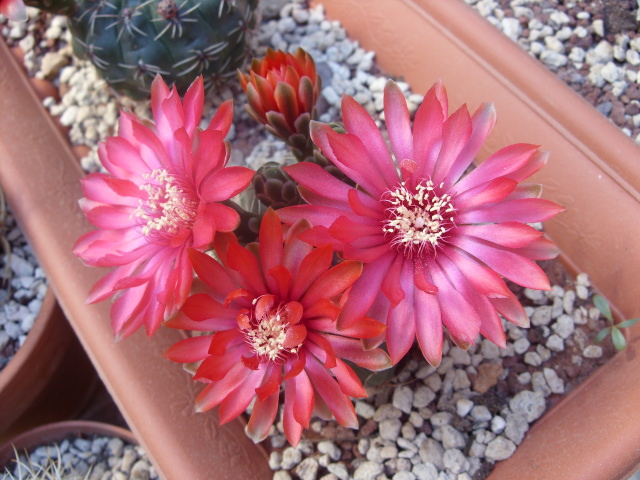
(130, 41)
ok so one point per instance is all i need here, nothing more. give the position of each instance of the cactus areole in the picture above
(130, 41)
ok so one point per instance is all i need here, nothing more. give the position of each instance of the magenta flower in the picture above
(14, 10)
(272, 308)
(161, 197)
(435, 242)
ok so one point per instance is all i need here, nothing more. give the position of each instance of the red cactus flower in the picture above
(282, 90)
(161, 197)
(272, 309)
(435, 242)
(14, 10)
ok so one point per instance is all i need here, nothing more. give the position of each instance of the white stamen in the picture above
(167, 208)
(415, 219)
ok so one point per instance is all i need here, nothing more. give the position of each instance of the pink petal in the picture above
(483, 121)
(456, 131)
(316, 215)
(104, 188)
(525, 210)
(535, 163)
(391, 283)
(193, 104)
(516, 268)
(353, 160)
(352, 350)
(364, 291)
(502, 163)
(358, 122)
(427, 130)
(508, 234)
(365, 206)
(317, 180)
(540, 249)
(428, 325)
(401, 328)
(493, 191)
(225, 183)
(458, 315)
(511, 309)
(398, 123)
(483, 279)
(346, 230)
(223, 118)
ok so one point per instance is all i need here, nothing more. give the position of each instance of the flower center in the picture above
(168, 208)
(417, 219)
(269, 332)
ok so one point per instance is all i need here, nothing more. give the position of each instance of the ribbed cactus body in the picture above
(130, 41)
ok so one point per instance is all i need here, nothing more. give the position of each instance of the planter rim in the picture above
(58, 431)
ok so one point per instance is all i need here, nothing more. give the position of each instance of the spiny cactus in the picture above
(130, 41)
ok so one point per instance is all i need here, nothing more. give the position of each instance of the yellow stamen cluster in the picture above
(417, 219)
(167, 208)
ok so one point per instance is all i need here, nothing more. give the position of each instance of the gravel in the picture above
(88, 458)
(21, 293)
(456, 421)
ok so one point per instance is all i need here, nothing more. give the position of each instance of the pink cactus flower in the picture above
(272, 308)
(160, 197)
(14, 10)
(436, 243)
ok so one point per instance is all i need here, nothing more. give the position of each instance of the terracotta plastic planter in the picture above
(50, 377)
(594, 173)
(40, 177)
(56, 433)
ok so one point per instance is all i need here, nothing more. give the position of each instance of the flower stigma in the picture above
(168, 208)
(418, 219)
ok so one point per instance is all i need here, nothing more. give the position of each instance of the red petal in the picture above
(270, 240)
(311, 269)
(329, 390)
(262, 417)
(333, 282)
(189, 350)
